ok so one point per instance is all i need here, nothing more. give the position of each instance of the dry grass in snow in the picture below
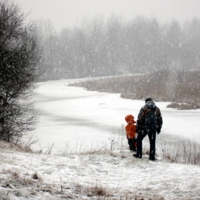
(103, 175)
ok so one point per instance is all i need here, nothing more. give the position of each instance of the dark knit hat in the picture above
(148, 99)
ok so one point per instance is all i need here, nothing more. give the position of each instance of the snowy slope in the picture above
(118, 172)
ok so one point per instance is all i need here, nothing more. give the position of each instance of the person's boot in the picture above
(137, 155)
(152, 155)
(152, 158)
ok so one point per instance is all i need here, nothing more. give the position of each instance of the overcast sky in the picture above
(68, 13)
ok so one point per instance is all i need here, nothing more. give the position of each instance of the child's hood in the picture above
(130, 119)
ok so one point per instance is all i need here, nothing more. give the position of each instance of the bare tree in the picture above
(18, 72)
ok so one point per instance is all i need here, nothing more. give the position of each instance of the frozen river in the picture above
(74, 119)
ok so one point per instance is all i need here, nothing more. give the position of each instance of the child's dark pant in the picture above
(132, 144)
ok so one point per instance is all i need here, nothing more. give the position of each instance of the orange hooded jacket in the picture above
(130, 128)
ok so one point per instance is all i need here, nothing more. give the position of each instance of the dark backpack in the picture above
(150, 119)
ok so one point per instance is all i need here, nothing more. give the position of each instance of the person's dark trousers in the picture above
(131, 144)
(152, 141)
(140, 137)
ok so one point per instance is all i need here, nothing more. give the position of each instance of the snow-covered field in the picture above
(73, 121)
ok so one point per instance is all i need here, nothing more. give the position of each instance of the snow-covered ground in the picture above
(73, 121)
(119, 173)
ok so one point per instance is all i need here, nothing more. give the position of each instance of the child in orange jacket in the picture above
(131, 133)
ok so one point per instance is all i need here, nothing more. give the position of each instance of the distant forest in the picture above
(116, 47)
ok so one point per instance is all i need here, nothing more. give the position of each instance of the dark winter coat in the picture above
(149, 118)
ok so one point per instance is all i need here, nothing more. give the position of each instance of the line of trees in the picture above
(19, 56)
(99, 48)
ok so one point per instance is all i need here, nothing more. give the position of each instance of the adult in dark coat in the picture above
(149, 123)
